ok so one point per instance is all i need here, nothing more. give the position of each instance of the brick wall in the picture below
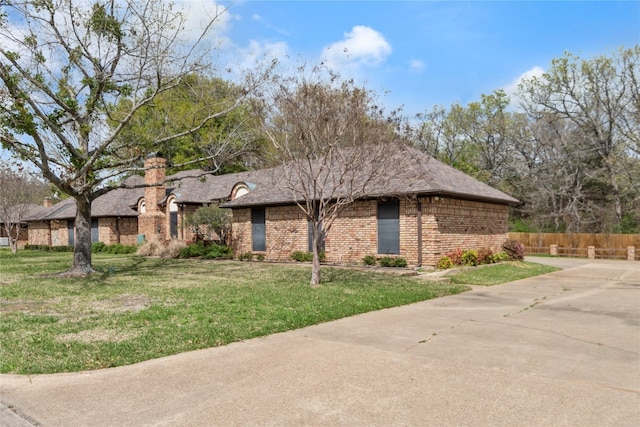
(118, 230)
(450, 224)
(447, 224)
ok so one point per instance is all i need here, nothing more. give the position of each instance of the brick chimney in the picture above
(48, 202)
(153, 223)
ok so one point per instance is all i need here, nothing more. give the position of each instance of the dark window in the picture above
(258, 230)
(173, 224)
(95, 233)
(71, 233)
(389, 227)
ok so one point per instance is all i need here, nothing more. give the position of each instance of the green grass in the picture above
(498, 273)
(137, 309)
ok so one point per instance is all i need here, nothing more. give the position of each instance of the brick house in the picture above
(419, 211)
(153, 208)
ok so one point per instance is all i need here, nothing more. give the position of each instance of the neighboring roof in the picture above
(413, 173)
(199, 187)
(115, 203)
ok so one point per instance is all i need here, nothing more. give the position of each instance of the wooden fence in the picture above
(611, 246)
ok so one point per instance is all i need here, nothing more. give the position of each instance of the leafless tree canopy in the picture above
(76, 74)
(19, 193)
(333, 142)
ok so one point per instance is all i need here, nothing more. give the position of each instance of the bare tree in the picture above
(334, 144)
(76, 74)
(598, 97)
(18, 194)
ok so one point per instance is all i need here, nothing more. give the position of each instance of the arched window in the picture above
(173, 218)
(142, 207)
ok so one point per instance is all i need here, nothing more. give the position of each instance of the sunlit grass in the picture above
(135, 309)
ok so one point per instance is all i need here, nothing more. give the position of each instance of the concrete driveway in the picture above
(559, 349)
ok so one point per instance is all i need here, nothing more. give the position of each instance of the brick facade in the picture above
(447, 224)
(110, 231)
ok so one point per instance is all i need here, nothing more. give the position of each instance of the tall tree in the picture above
(599, 99)
(333, 143)
(68, 68)
(229, 143)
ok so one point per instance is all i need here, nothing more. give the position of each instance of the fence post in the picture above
(591, 252)
(631, 253)
(553, 250)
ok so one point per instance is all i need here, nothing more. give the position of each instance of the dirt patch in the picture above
(123, 304)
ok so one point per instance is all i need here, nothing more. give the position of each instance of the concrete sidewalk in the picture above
(559, 349)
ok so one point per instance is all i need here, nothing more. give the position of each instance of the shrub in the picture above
(369, 260)
(172, 250)
(514, 250)
(246, 256)
(485, 256)
(98, 247)
(456, 257)
(148, 249)
(470, 257)
(260, 257)
(500, 257)
(62, 249)
(386, 261)
(301, 256)
(399, 262)
(218, 252)
(445, 263)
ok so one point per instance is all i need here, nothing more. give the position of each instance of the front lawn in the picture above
(139, 308)
(495, 274)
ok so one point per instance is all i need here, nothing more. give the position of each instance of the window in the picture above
(389, 227)
(71, 232)
(173, 219)
(258, 230)
(95, 232)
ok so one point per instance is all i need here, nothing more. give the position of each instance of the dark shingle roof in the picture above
(413, 173)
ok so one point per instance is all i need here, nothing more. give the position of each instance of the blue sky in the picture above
(427, 53)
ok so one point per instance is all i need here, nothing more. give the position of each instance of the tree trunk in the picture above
(81, 266)
(317, 244)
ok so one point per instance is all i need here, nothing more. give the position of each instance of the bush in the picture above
(500, 257)
(148, 249)
(387, 261)
(172, 250)
(514, 250)
(456, 257)
(98, 247)
(246, 256)
(445, 263)
(399, 262)
(260, 257)
(485, 256)
(62, 249)
(194, 250)
(218, 252)
(369, 260)
(470, 257)
(301, 256)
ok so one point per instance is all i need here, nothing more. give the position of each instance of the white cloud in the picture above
(512, 88)
(260, 51)
(199, 13)
(417, 66)
(363, 46)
